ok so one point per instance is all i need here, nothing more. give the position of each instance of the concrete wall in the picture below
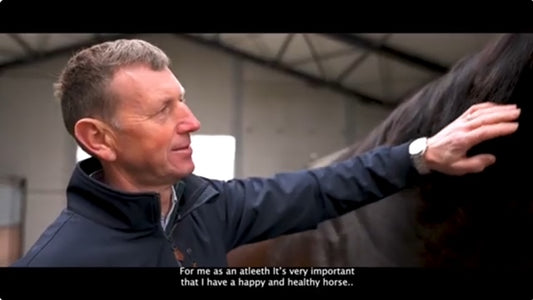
(281, 123)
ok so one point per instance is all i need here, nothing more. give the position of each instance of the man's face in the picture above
(152, 141)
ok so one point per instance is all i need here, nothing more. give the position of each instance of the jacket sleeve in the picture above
(262, 208)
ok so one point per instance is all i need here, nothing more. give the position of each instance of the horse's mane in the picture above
(481, 219)
(489, 75)
(476, 220)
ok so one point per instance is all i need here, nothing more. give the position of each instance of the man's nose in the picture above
(188, 121)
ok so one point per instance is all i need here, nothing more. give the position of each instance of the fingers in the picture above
(485, 105)
(491, 121)
(479, 106)
(490, 131)
(490, 107)
(474, 164)
(492, 115)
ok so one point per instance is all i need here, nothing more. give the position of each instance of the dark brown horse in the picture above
(477, 220)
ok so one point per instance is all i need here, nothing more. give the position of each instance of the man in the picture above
(136, 202)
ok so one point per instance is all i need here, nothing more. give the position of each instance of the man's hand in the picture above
(446, 151)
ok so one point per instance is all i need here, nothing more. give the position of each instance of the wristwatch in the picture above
(417, 148)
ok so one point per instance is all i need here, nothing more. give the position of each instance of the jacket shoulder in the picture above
(46, 240)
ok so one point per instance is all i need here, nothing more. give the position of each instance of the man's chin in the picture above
(184, 170)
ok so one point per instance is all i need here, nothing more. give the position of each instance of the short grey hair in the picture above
(82, 87)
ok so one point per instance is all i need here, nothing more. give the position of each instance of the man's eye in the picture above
(165, 109)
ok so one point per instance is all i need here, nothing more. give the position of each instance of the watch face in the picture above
(417, 146)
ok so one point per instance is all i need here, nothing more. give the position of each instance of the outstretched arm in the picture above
(261, 208)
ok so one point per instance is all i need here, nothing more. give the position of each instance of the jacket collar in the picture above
(123, 210)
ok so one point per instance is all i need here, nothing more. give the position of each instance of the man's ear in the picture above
(97, 138)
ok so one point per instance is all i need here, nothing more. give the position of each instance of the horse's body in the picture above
(477, 220)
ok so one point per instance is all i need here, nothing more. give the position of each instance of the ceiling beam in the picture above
(41, 56)
(378, 47)
(279, 66)
(23, 44)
